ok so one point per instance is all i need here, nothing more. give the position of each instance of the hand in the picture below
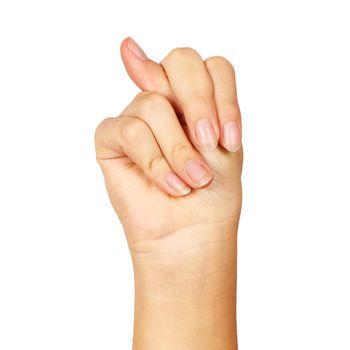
(172, 165)
(151, 162)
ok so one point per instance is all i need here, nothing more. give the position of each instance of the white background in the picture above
(65, 274)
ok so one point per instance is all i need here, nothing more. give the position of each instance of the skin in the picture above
(180, 219)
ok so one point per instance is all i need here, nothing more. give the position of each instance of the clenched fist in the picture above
(172, 164)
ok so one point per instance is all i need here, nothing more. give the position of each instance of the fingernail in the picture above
(232, 136)
(177, 185)
(205, 134)
(197, 173)
(136, 49)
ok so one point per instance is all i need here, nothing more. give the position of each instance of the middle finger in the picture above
(192, 86)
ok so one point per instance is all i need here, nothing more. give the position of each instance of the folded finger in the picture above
(192, 87)
(222, 75)
(156, 111)
(132, 137)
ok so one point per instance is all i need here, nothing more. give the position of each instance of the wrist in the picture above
(185, 290)
(193, 322)
(199, 259)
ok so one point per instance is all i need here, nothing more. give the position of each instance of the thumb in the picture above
(145, 73)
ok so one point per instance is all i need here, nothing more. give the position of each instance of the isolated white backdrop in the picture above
(65, 273)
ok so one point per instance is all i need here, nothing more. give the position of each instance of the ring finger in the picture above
(222, 75)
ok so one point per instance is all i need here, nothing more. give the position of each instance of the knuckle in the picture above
(150, 99)
(182, 53)
(229, 105)
(218, 62)
(229, 111)
(155, 164)
(99, 131)
(101, 136)
(179, 151)
(195, 101)
(133, 129)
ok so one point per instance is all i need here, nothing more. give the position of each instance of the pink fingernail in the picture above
(205, 134)
(136, 49)
(232, 136)
(197, 173)
(177, 185)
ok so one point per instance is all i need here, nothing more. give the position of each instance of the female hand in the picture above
(163, 148)
(172, 165)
